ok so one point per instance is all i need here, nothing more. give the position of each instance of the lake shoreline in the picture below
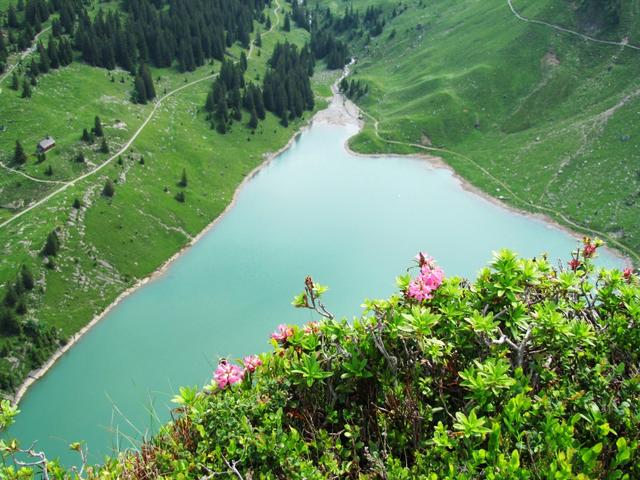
(354, 112)
(340, 111)
(38, 373)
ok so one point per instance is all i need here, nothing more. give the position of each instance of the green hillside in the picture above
(542, 119)
(108, 243)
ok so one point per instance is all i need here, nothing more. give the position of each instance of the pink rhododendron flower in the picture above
(252, 362)
(574, 264)
(227, 374)
(311, 327)
(429, 279)
(627, 273)
(282, 333)
(589, 250)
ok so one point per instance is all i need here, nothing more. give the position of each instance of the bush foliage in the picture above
(530, 372)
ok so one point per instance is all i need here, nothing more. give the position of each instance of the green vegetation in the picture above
(531, 372)
(108, 243)
(531, 115)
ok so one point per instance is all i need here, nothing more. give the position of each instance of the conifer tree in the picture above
(12, 17)
(76, 203)
(287, 23)
(10, 297)
(34, 71)
(26, 277)
(86, 137)
(15, 81)
(139, 90)
(109, 189)
(243, 62)
(48, 171)
(19, 157)
(149, 89)
(104, 148)
(45, 63)
(253, 121)
(52, 51)
(97, 128)
(8, 322)
(183, 179)
(52, 245)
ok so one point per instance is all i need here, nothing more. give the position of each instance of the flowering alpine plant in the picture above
(429, 279)
(311, 327)
(227, 374)
(574, 264)
(251, 363)
(282, 333)
(627, 273)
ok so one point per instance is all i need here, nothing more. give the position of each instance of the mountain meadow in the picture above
(127, 128)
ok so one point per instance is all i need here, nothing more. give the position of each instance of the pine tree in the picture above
(76, 203)
(12, 18)
(41, 157)
(52, 51)
(21, 307)
(86, 137)
(258, 41)
(149, 89)
(104, 148)
(34, 71)
(139, 90)
(52, 245)
(109, 189)
(48, 171)
(45, 63)
(180, 196)
(287, 23)
(15, 81)
(183, 179)
(97, 128)
(243, 62)
(19, 157)
(26, 277)
(8, 322)
(253, 121)
(11, 297)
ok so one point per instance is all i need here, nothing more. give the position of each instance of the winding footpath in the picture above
(533, 206)
(24, 54)
(128, 144)
(624, 43)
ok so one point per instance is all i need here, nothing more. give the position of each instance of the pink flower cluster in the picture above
(251, 363)
(282, 333)
(228, 374)
(627, 273)
(429, 279)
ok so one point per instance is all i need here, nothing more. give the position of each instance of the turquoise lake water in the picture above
(351, 222)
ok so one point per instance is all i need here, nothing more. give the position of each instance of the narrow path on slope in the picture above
(39, 180)
(624, 43)
(24, 54)
(533, 206)
(128, 144)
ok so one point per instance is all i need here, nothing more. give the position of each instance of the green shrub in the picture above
(530, 372)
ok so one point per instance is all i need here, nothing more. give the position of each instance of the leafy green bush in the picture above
(530, 372)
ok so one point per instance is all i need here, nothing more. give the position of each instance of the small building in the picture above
(46, 145)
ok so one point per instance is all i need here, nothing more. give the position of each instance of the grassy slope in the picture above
(109, 244)
(524, 102)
